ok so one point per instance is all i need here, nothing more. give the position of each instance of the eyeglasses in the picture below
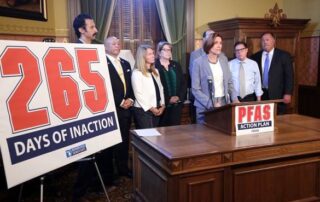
(239, 50)
(166, 50)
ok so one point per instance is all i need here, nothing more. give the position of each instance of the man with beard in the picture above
(86, 31)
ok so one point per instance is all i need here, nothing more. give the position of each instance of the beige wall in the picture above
(214, 10)
(55, 26)
(307, 9)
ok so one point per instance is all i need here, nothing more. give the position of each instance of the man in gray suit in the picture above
(199, 52)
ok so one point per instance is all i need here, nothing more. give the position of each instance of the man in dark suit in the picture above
(86, 32)
(120, 76)
(276, 71)
(85, 28)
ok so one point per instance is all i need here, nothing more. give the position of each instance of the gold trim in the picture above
(275, 14)
(26, 30)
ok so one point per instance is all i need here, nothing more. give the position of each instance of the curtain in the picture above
(172, 16)
(74, 10)
(101, 11)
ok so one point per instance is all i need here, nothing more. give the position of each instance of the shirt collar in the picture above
(113, 58)
(270, 52)
(243, 61)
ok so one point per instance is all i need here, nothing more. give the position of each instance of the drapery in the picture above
(101, 11)
(173, 21)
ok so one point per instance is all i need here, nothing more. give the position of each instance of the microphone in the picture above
(210, 83)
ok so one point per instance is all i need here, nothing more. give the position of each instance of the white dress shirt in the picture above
(264, 55)
(217, 79)
(252, 76)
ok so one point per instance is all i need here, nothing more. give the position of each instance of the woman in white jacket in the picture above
(147, 88)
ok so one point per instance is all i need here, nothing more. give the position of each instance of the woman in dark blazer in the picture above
(174, 84)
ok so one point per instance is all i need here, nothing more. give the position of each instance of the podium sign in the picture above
(243, 118)
(56, 106)
(256, 118)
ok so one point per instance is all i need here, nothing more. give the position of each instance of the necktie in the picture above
(120, 72)
(242, 81)
(266, 71)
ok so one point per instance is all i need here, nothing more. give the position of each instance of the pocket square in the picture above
(128, 70)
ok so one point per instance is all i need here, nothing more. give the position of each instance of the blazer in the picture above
(280, 78)
(200, 72)
(144, 90)
(117, 84)
(193, 56)
(181, 85)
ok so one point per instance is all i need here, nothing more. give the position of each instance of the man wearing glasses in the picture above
(245, 74)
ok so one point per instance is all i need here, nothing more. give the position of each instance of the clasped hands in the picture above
(127, 103)
(157, 111)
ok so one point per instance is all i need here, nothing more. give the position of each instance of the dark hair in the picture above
(240, 42)
(271, 33)
(207, 45)
(80, 21)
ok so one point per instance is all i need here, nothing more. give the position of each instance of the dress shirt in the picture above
(217, 79)
(252, 76)
(117, 64)
(264, 55)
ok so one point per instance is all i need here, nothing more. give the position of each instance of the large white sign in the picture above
(255, 118)
(56, 106)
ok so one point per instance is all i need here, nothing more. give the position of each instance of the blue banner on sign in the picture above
(261, 124)
(40, 142)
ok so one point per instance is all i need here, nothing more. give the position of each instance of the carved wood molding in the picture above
(275, 14)
(26, 30)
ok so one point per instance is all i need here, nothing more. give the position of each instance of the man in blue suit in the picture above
(276, 71)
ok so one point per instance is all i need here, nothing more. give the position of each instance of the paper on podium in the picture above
(147, 132)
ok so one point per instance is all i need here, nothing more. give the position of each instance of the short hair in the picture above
(160, 46)
(271, 33)
(204, 35)
(240, 42)
(80, 21)
(208, 44)
(141, 61)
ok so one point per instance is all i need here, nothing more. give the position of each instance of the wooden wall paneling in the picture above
(308, 71)
(251, 29)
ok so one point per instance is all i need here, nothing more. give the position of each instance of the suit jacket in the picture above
(144, 90)
(193, 56)
(200, 89)
(280, 78)
(181, 86)
(117, 84)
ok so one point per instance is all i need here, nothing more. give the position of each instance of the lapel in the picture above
(113, 70)
(126, 71)
(274, 59)
(206, 66)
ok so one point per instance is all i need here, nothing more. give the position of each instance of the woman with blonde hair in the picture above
(147, 88)
(174, 84)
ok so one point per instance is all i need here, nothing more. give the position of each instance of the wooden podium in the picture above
(197, 163)
(224, 119)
